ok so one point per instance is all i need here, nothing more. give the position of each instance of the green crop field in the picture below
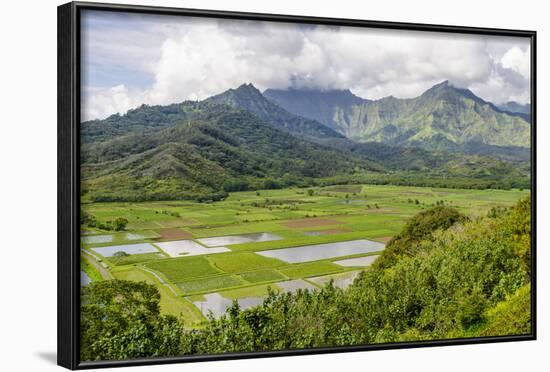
(180, 269)
(242, 261)
(298, 216)
(210, 284)
(262, 276)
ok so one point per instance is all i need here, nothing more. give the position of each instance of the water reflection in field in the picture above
(323, 251)
(217, 241)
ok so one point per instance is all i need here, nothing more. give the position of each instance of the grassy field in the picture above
(299, 216)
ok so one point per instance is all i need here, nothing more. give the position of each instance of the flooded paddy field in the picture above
(202, 256)
(218, 303)
(188, 248)
(238, 239)
(359, 261)
(84, 279)
(342, 280)
(324, 251)
(128, 249)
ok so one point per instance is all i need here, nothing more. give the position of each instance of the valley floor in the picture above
(202, 256)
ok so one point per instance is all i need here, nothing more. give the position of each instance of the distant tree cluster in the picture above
(118, 224)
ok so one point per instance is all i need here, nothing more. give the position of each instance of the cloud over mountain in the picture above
(188, 58)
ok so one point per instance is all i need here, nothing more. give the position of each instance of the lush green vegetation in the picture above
(457, 262)
(121, 320)
(435, 120)
(216, 147)
(509, 317)
(463, 281)
(248, 212)
(445, 276)
(240, 141)
(338, 213)
(417, 230)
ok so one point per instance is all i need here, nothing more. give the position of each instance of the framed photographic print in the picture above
(236, 185)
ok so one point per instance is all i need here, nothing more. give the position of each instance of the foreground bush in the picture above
(121, 320)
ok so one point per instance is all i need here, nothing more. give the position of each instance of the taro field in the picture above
(204, 256)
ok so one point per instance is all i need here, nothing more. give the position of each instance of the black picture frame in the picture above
(68, 253)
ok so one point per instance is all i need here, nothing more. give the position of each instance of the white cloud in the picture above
(517, 60)
(199, 58)
(100, 103)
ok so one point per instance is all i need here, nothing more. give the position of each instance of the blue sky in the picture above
(131, 59)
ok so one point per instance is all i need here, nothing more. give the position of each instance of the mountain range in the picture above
(242, 139)
(443, 118)
(517, 108)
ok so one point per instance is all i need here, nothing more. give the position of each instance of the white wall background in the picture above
(28, 184)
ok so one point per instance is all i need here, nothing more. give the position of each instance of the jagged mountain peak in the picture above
(246, 87)
(243, 91)
(444, 116)
(249, 98)
(447, 89)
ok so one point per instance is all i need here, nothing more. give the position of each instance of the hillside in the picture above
(443, 118)
(316, 104)
(240, 140)
(391, 156)
(214, 149)
(248, 98)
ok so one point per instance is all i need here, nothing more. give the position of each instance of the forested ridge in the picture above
(444, 276)
(444, 117)
(239, 141)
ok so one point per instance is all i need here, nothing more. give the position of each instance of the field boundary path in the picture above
(161, 280)
(92, 261)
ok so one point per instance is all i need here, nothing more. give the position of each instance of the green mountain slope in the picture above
(142, 120)
(317, 105)
(249, 98)
(442, 118)
(239, 140)
(215, 148)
